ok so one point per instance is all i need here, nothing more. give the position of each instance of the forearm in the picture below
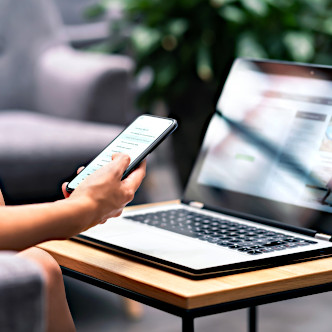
(24, 226)
(101, 196)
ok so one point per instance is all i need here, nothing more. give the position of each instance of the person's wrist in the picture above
(87, 209)
(82, 214)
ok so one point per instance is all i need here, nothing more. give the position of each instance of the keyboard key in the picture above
(236, 236)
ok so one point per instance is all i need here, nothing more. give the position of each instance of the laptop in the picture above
(259, 192)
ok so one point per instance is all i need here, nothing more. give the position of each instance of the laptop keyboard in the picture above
(247, 239)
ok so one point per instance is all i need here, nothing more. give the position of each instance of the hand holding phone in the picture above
(140, 138)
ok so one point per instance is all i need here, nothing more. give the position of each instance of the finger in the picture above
(80, 169)
(2, 201)
(135, 178)
(118, 155)
(119, 163)
(64, 191)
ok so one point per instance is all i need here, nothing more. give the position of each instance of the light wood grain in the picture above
(181, 291)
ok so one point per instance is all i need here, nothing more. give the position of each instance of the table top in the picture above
(180, 291)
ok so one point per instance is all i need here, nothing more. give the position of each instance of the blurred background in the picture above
(187, 47)
(75, 72)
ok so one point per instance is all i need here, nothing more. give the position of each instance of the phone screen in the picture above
(137, 140)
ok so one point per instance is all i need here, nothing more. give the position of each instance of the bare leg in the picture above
(58, 316)
(134, 310)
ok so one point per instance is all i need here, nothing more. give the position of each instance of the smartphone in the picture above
(140, 138)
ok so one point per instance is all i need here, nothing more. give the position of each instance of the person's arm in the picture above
(101, 196)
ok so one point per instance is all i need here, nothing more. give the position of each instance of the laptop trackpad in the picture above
(163, 244)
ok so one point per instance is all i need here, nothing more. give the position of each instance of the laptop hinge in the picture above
(321, 236)
(195, 204)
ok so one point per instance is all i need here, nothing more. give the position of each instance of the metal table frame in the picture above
(188, 315)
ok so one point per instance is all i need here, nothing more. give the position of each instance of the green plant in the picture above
(189, 46)
(188, 41)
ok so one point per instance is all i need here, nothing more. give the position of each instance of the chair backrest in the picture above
(73, 11)
(27, 27)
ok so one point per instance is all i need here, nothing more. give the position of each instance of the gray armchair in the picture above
(58, 106)
(81, 29)
(21, 300)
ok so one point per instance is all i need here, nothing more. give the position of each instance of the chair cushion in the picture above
(22, 294)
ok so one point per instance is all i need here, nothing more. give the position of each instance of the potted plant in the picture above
(188, 45)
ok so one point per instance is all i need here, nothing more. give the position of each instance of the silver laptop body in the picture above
(257, 195)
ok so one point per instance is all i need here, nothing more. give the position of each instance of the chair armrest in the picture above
(85, 34)
(85, 86)
(21, 294)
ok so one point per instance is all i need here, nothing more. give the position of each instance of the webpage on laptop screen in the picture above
(294, 115)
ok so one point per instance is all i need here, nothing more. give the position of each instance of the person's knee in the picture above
(58, 317)
(49, 266)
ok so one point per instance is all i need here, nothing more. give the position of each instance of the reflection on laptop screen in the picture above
(289, 107)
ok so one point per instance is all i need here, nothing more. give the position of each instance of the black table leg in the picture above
(187, 324)
(252, 313)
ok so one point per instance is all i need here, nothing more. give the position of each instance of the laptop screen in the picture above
(267, 151)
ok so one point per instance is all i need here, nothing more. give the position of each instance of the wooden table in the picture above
(187, 298)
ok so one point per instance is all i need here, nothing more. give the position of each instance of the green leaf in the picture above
(279, 3)
(257, 7)
(165, 74)
(248, 46)
(145, 39)
(178, 27)
(300, 45)
(327, 26)
(308, 21)
(233, 14)
(316, 6)
(220, 3)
